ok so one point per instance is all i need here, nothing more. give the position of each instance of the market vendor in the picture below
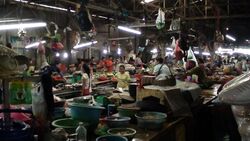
(123, 78)
(192, 69)
(138, 61)
(101, 64)
(86, 80)
(161, 70)
(109, 64)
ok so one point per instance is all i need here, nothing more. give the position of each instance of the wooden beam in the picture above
(120, 38)
(216, 17)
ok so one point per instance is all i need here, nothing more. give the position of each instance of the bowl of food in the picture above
(111, 138)
(116, 122)
(129, 133)
(150, 120)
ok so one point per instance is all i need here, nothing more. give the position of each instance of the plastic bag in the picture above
(173, 44)
(39, 108)
(236, 91)
(191, 56)
(160, 20)
(175, 25)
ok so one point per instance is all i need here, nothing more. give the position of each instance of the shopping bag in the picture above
(160, 20)
(39, 108)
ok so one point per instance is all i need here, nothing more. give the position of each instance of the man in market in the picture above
(161, 70)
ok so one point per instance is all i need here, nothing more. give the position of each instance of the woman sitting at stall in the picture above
(123, 78)
(161, 70)
(199, 70)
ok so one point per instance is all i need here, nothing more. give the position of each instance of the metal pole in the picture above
(206, 7)
(6, 104)
(68, 44)
(185, 8)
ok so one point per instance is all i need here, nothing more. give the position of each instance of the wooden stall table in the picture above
(210, 94)
(173, 130)
(159, 91)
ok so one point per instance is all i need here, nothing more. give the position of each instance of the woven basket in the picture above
(9, 63)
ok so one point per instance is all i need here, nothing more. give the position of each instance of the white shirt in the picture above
(138, 61)
(164, 71)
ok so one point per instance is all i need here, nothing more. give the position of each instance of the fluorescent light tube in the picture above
(169, 49)
(196, 52)
(84, 44)
(129, 30)
(65, 55)
(57, 54)
(206, 53)
(230, 37)
(105, 51)
(154, 50)
(35, 44)
(13, 20)
(119, 51)
(102, 17)
(44, 5)
(22, 25)
(146, 1)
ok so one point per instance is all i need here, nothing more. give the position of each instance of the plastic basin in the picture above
(68, 124)
(111, 138)
(127, 112)
(151, 120)
(115, 122)
(129, 133)
(86, 113)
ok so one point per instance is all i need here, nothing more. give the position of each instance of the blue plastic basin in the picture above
(86, 113)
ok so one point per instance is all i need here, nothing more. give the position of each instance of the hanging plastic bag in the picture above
(39, 108)
(160, 20)
(173, 44)
(175, 25)
(191, 56)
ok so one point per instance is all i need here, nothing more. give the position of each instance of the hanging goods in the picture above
(39, 108)
(183, 43)
(191, 56)
(178, 52)
(173, 44)
(160, 20)
(175, 25)
(84, 19)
